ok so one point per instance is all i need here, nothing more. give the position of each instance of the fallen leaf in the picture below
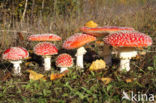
(27, 58)
(58, 75)
(27, 63)
(97, 65)
(91, 24)
(30, 51)
(142, 52)
(8, 75)
(35, 76)
(99, 42)
(106, 80)
(129, 80)
(20, 35)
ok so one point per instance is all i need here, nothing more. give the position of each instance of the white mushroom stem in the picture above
(124, 64)
(47, 63)
(17, 67)
(63, 69)
(125, 55)
(79, 54)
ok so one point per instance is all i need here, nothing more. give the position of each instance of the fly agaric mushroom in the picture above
(44, 37)
(103, 31)
(15, 55)
(64, 60)
(127, 44)
(46, 49)
(78, 41)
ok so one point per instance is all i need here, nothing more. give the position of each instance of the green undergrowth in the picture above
(79, 86)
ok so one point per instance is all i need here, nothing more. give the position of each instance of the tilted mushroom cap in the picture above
(103, 31)
(44, 37)
(45, 48)
(129, 39)
(64, 60)
(78, 40)
(15, 53)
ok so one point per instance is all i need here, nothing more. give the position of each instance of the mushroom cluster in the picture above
(125, 39)
(78, 40)
(45, 48)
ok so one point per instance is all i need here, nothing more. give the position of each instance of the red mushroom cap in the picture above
(78, 40)
(15, 53)
(44, 37)
(64, 60)
(45, 48)
(102, 31)
(129, 39)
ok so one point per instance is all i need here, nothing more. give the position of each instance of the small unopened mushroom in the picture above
(127, 44)
(15, 55)
(64, 61)
(46, 49)
(78, 41)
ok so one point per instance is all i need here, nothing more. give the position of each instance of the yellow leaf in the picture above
(91, 24)
(35, 76)
(58, 75)
(99, 42)
(27, 63)
(28, 58)
(97, 65)
(30, 51)
(129, 80)
(106, 80)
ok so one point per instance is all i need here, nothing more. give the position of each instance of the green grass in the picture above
(77, 86)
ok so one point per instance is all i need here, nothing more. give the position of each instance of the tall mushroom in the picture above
(78, 41)
(15, 55)
(64, 61)
(101, 32)
(127, 42)
(46, 49)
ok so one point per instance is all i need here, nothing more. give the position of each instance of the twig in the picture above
(25, 9)
(15, 31)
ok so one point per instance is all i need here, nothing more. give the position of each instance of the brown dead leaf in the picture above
(129, 80)
(97, 65)
(101, 43)
(35, 76)
(30, 51)
(58, 75)
(8, 75)
(27, 58)
(27, 63)
(106, 80)
(20, 36)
